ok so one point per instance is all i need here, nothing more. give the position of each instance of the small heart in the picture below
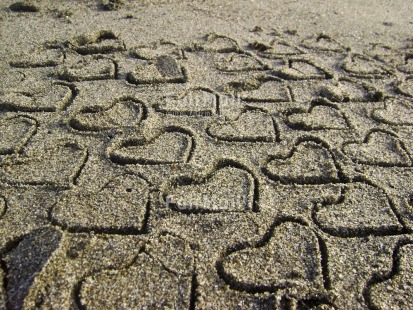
(318, 117)
(120, 206)
(290, 257)
(167, 148)
(396, 112)
(378, 148)
(360, 210)
(15, 132)
(227, 189)
(397, 290)
(406, 87)
(250, 126)
(156, 50)
(275, 49)
(323, 43)
(121, 114)
(307, 163)
(103, 42)
(267, 91)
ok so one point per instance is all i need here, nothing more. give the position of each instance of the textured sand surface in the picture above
(206, 155)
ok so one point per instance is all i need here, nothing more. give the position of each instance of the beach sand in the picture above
(206, 155)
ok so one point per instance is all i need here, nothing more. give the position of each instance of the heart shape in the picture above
(379, 148)
(15, 132)
(307, 163)
(59, 165)
(165, 69)
(47, 98)
(302, 69)
(194, 102)
(126, 113)
(119, 206)
(360, 210)
(396, 112)
(250, 126)
(153, 286)
(168, 148)
(318, 117)
(395, 292)
(227, 189)
(289, 257)
(87, 68)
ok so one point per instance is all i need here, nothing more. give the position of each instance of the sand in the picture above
(206, 155)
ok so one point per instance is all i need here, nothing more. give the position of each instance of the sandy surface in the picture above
(206, 155)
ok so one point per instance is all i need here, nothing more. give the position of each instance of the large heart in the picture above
(291, 257)
(360, 210)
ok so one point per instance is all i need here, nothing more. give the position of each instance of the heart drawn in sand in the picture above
(119, 206)
(378, 148)
(227, 189)
(153, 286)
(302, 69)
(250, 126)
(308, 162)
(360, 210)
(172, 146)
(396, 112)
(87, 68)
(46, 99)
(58, 165)
(121, 114)
(15, 132)
(318, 117)
(289, 257)
(396, 291)
(193, 102)
(165, 69)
